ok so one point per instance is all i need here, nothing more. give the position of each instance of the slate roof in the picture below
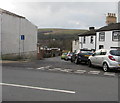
(88, 33)
(110, 27)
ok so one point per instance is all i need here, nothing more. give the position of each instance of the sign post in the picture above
(22, 37)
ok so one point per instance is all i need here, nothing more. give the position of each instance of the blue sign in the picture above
(22, 37)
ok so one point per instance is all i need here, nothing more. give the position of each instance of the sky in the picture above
(62, 14)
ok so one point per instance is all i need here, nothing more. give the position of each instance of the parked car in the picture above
(68, 56)
(107, 59)
(63, 55)
(81, 56)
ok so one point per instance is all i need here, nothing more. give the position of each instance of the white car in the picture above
(108, 59)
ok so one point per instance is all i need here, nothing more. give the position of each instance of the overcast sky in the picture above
(71, 15)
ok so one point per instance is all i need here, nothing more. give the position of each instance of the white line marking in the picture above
(47, 67)
(67, 70)
(109, 74)
(38, 88)
(42, 68)
(57, 68)
(30, 68)
(93, 72)
(80, 71)
(53, 69)
(64, 70)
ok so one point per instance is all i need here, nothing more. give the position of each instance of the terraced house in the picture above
(108, 36)
(87, 40)
(18, 36)
(105, 37)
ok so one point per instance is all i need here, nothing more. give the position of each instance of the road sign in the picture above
(22, 37)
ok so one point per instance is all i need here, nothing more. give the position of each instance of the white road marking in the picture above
(109, 74)
(53, 69)
(30, 68)
(80, 71)
(38, 88)
(93, 72)
(57, 68)
(68, 70)
(47, 67)
(60, 69)
(64, 70)
(42, 68)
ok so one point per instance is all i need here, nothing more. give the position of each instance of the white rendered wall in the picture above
(87, 44)
(0, 35)
(12, 28)
(108, 41)
(75, 45)
(10, 34)
(0, 64)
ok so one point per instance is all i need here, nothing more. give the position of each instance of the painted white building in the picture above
(119, 11)
(87, 40)
(18, 36)
(108, 36)
(75, 45)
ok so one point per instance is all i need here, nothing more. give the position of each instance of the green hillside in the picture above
(61, 31)
(54, 37)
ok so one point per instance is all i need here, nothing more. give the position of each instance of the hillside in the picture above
(61, 38)
(59, 33)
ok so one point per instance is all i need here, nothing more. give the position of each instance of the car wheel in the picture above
(76, 61)
(89, 63)
(105, 67)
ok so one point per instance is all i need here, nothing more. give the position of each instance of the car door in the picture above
(100, 57)
(95, 58)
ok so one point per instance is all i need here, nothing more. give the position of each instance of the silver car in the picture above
(107, 59)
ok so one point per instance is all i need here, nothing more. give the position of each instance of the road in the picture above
(54, 79)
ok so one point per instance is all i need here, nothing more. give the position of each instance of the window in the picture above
(115, 52)
(116, 36)
(75, 42)
(103, 53)
(98, 52)
(102, 36)
(91, 39)
(101, 46)
(84, 39)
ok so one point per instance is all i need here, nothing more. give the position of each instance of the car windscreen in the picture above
(64, 53)
(86, 52)
(115, 52)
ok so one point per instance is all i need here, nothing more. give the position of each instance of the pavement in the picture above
(8, 61)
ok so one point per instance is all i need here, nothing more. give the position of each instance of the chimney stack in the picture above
(91, 28)
(111, 18)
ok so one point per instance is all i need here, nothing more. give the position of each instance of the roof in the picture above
(110, 27)
(7, 12)
(88, 33)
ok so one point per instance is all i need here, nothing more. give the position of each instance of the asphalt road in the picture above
(54, 79)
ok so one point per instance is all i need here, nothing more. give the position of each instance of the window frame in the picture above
(91, 40)
(84, 39)
(101, 33)
(118, 39)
